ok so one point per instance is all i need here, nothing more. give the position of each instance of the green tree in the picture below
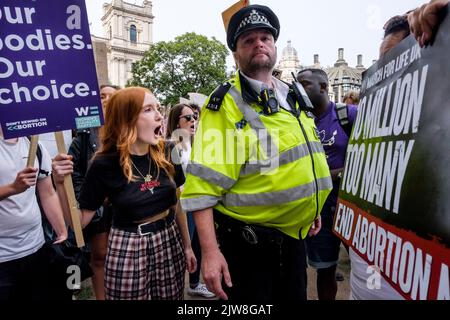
(190, 63)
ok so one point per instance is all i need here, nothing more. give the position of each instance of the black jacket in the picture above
(82, 150)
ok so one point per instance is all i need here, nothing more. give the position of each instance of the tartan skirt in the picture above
(150, 267)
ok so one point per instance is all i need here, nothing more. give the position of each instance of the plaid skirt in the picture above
(150, 267)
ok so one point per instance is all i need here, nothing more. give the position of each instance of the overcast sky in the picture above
(313, 26)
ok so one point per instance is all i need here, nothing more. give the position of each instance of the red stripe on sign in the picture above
(416, 267)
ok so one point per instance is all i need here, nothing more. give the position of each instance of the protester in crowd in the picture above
(196, 287)
(145, 257)
(424, 22)
(82, 149)
(323, 249)
(23, 264)
(261, 210)
(351, 97)
(181, 126)
(395, 30)
(196, 108)
(181, 129)
(421, 22)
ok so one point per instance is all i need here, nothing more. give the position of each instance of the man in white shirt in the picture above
(22, 264)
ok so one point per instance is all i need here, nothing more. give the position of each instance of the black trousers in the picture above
(273, 269)
(25, 278)
(194, 278)
(31, 279)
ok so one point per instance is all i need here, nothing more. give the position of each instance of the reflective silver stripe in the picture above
(279, 197)
(210, 175)
(286, 157)
(253, 119)
(316, 147)
(199, 203)
(324, 184)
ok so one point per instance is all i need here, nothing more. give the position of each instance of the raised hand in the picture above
(62, 165)
(424, 21)
(24, 180)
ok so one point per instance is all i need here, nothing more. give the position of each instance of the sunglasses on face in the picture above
(189, 117)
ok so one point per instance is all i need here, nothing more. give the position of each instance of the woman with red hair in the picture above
(145, 258)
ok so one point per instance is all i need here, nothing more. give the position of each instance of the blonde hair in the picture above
(120, 132)
(352, 94)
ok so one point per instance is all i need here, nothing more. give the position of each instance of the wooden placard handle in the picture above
(32, 151)
(68, 187)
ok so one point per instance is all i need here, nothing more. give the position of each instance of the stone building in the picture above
(289, 63)
(127, 34)
(342, 78)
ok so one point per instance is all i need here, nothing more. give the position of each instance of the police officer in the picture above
(258, 176)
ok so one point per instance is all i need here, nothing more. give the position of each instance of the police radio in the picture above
(301, 96)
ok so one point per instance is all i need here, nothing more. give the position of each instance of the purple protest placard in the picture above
(48, 81)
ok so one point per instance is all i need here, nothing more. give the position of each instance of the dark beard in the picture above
(252, 67)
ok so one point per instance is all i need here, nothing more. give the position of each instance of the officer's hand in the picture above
(315, 228)
(424, 20)
(62, 165)
(24, 179)
(214, 266)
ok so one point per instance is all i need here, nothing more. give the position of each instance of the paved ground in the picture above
(342, 294)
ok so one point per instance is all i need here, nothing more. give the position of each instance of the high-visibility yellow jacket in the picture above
(261, 169)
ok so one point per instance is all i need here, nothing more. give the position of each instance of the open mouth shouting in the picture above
(158, 132)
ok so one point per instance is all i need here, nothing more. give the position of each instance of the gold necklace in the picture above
(148, 177)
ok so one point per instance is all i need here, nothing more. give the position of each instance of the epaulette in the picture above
(217, 97)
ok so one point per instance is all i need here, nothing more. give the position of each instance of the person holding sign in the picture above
(23, 269)
(145, 258)
(366, 281)
(424, 21)
(323, 250)
(266, 198)
(82, 149)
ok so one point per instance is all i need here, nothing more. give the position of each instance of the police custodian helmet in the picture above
(250, 18)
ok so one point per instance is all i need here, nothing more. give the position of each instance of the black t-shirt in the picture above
(132, 201)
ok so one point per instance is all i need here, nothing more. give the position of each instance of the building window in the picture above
(110, 32)
(336, 94)
(133, 33)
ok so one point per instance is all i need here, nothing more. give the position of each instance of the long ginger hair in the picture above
(120, 131)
